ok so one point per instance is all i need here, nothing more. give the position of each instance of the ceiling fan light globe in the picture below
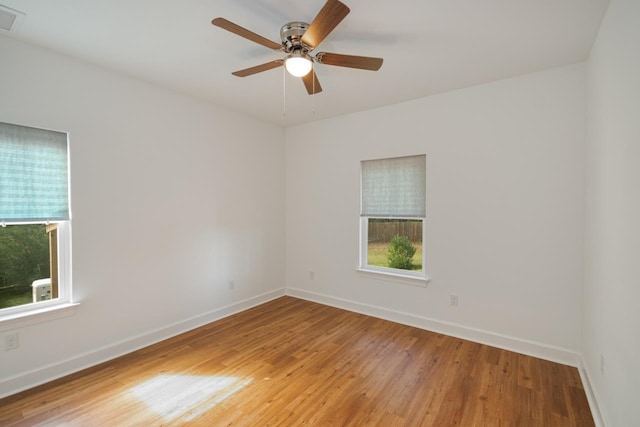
(298, 66)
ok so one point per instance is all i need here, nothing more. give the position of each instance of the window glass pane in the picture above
(395, 243)
(24, 261)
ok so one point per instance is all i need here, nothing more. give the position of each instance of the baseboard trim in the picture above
(592, 395)
(36, 377)
(530, 348)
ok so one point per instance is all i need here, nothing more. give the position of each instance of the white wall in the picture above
(171, 199)
(612, 261)
(505, 207)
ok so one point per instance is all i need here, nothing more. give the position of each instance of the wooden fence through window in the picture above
(383, 230)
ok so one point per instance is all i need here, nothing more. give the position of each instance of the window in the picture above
(392, 214)
(34, 219)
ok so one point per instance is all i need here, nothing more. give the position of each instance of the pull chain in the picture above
(284, 91)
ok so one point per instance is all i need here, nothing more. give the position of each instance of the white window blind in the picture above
(34, 174)
(394, 187)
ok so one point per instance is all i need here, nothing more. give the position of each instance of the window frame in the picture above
(42, 311)
(418, 278)
(63, 251)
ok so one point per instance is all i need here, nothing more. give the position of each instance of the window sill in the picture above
(32, 317)
(395, 277)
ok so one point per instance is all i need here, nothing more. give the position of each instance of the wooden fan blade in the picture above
(351, 61)
(243, 32)
(258, 68)
(311, 83)
(331, 14)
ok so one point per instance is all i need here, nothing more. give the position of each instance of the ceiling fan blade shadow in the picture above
(258, 68)
(351, 61)
(311, 82)
(265, 9)
(370, 38)
(243, 32)
(331, 14)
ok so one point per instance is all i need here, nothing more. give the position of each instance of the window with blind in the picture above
(392, 214)
(34, 219)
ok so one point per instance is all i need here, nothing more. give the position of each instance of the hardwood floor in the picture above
(291, 362)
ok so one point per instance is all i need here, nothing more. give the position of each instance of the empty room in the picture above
(354, 213)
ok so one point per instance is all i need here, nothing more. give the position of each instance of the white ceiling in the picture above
(428, 46)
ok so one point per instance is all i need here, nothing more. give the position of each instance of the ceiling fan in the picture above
(299, 39)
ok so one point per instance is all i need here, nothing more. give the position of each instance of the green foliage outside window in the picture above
(24, 257)
(401, 252)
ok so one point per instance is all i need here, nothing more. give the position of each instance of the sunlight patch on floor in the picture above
(173, 396)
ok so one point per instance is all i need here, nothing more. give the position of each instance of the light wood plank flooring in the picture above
(291, 362)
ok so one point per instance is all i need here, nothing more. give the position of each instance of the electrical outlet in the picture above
(11, 341)
(312, 275)
(232, 285)
(453, 300)
(602, 364)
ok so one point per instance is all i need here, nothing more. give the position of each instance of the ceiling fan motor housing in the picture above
(291, 34)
